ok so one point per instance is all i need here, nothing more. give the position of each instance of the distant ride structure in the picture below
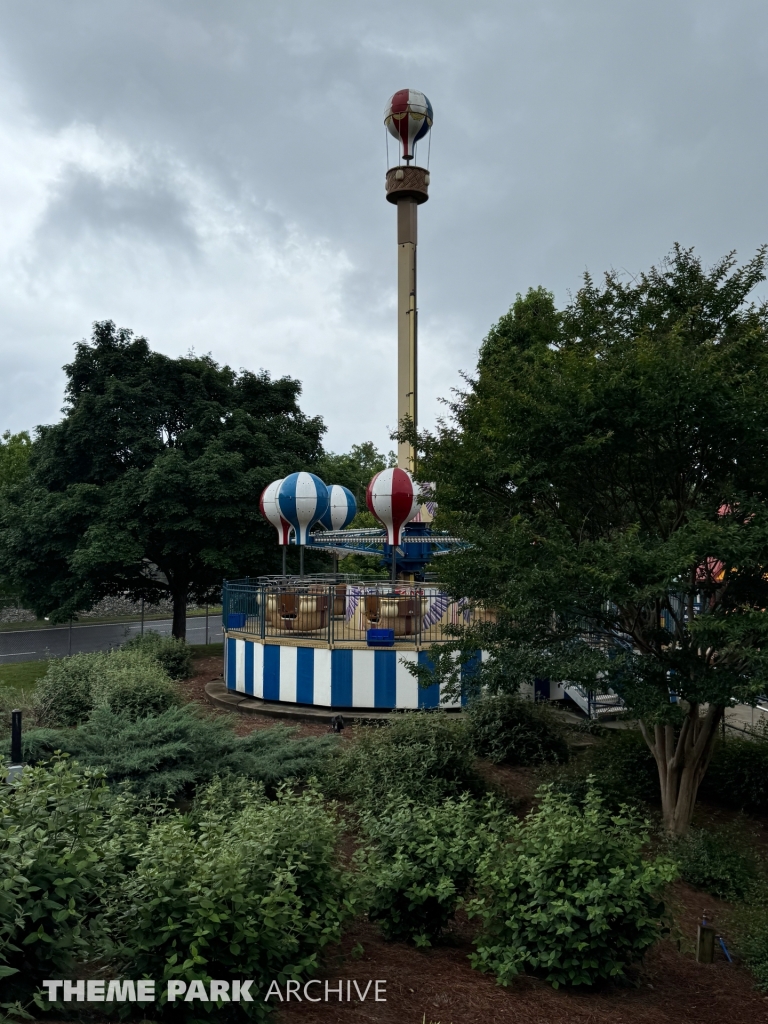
(408, 117)
(345, 642)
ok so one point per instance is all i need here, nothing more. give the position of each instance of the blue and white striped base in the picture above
(328, 678)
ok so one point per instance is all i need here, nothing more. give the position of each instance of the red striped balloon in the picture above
(392, 498)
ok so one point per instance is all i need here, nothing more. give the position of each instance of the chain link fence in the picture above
(39, 644)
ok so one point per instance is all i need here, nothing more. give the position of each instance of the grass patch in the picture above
(22, 674)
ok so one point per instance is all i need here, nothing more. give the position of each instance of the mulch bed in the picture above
(438, 986)
(208, 669)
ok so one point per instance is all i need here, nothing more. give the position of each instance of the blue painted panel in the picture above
(249, 667)
(271, 672)
(468, 670)
(341, 679)
(305, 675)
(231, 663)
(384, 674)
(429, 697)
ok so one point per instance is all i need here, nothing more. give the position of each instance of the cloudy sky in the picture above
(211, 175)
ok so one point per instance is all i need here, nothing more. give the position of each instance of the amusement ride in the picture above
(338, 641)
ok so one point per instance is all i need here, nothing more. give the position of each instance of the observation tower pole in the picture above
(409, 118)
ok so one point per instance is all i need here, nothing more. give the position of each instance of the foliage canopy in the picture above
(149, 485)
(609, 464)
(14, 457)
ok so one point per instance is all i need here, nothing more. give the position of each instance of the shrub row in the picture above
(420, 861)
(507, 729)
(567, 893)
(621, 765)
(130, 681)
(721, 861)
(430, 756)
(570, 896)
(247, 889)
(172, 752)
(242, 886)
(737, 776)
(240, 878)
(174, 656)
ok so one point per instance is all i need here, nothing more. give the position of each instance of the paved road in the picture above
(39, 644)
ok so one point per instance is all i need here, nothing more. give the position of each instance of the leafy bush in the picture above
(174, 656)
(423, 755)
(505, 728)
(570, 897)
(238, 884)
(64, 692)
(128, 681)
(50, 866)
(132, 684)
(162, 755)
(622, 767)
(738, 774)
(720, 861)
(420, 862)
(751, 925)
(245, 889)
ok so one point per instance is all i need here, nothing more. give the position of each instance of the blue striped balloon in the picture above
(303, 500)
(342, 508)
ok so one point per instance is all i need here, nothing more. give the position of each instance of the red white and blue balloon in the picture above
(342, 508)
(271, 511)
(393, 499)
(303, 501)
(408, 117)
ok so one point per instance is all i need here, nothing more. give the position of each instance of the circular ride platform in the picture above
(338, 643)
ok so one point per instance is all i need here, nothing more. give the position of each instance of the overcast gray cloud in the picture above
(211, 175)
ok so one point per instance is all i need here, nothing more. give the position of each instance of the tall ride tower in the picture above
(409, 118)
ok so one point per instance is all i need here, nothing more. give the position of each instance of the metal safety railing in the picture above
(594, 703)
(340, 610)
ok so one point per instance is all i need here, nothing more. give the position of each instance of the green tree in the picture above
(14, 467)
(609, 464)
(150, 483)
(14, 457)
(354, 468)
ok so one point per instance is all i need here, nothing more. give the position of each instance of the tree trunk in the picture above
(180, 614)
(682, 764)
